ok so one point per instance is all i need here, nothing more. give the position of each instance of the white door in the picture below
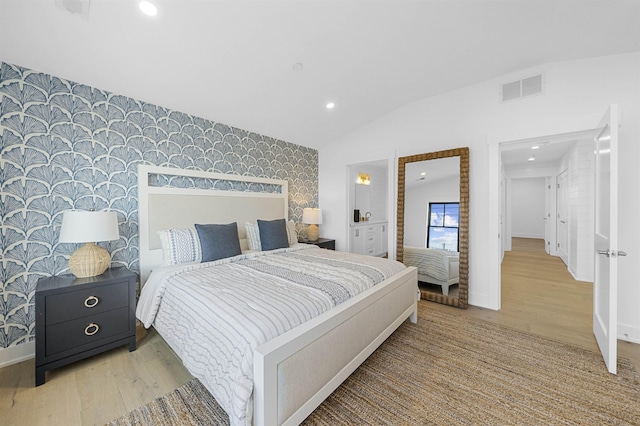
(562, 225)
(605, 289)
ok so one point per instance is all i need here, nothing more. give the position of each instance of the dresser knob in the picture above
(91, 329)
(91, 301)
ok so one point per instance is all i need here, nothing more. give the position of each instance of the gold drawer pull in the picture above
(91, 301)
(95, 327)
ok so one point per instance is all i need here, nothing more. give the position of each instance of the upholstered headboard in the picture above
(170, 198)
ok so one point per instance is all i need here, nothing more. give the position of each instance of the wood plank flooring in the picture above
(93, 391)
(538, 295)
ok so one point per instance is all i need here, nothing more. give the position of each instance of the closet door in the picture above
(562, 226)
(547, 215)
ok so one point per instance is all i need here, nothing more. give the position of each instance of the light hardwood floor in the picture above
(538, 295)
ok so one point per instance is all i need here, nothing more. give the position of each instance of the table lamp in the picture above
(89, 227)
(312, 217)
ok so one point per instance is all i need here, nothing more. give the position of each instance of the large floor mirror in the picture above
(433, 223)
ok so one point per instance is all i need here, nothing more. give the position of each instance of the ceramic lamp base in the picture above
(313, 233)
(89, 260)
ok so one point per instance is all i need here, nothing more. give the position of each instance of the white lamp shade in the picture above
(312, 216)
(89, 227)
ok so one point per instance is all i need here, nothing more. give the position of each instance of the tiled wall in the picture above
(65, 145)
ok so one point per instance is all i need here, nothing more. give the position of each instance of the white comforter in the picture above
(432, 262)
(214, 314)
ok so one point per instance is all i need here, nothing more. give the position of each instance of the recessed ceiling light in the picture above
(532, 158)
(535, 147)
(148, 8)
(330, 105)
(423, 173)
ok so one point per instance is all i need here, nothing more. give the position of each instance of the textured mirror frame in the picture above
(463, 285)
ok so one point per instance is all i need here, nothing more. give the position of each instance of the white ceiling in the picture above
(434, 170)
(232, 61)
(547, 151)
(546, 155)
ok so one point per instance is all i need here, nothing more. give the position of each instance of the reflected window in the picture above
(442, 229)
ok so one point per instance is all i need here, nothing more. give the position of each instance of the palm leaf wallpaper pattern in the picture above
(65, 145)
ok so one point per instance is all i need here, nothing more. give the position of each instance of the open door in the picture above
(605, 290)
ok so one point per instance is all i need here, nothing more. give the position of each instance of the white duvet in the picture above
(214, 314)
(432, 262)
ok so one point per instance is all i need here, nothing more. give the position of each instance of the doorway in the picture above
(546, 156)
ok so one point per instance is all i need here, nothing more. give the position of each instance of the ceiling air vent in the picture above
(80, 7)
(522, 88)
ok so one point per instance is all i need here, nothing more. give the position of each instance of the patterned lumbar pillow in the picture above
(180, 246)
(292, 234)
(253, 235)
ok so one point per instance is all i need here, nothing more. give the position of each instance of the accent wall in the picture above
(65, 145)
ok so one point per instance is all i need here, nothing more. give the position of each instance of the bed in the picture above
(435, 266)
(327, 333)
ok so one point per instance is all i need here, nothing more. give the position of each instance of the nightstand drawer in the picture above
(81, 303)
(87, 330)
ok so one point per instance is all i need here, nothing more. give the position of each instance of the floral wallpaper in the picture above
(65, 145)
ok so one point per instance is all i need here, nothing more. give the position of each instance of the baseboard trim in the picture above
(481, 301)
(628, 333)
(15, 354)
(531, 236)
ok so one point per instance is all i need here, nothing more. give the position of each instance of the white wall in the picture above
(417, 201)
(545, 171)
(576, 96)
(527, 207)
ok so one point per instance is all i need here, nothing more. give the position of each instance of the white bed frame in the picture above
(296, 371)
(453, 268)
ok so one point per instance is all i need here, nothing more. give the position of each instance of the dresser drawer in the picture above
(87, 330)
(81, 303)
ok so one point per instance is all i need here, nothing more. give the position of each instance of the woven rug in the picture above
(449, 370)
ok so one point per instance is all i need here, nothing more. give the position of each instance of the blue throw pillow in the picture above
(218, 241)
(273, 234)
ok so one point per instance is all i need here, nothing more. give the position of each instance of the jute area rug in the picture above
(449, 370)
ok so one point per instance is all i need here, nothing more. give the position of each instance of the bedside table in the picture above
(324, 243)
(80, 317)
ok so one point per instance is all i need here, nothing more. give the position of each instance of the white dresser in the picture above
(369, 238)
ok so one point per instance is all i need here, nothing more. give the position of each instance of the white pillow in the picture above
(253, 235)
(291, 233)
(180, 246)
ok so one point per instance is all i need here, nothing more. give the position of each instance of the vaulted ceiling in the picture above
(235, 61)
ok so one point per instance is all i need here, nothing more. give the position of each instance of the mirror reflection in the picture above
(362, 201)
(433, 215)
